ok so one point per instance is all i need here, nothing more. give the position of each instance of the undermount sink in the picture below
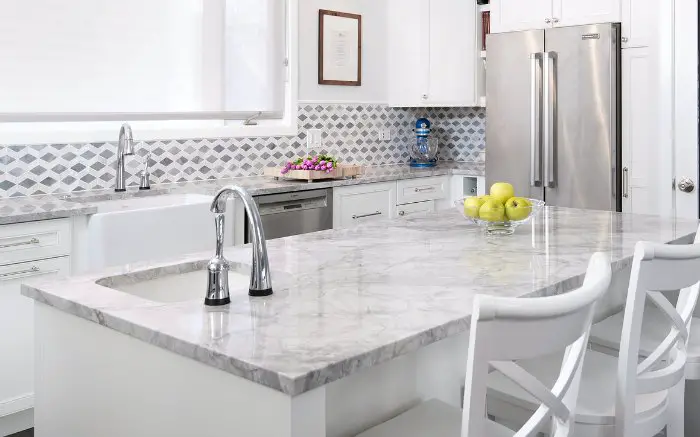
(147, 228)
(179, 287)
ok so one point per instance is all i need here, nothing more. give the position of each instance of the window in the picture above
(175, 68)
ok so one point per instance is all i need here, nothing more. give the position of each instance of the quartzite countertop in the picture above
(346, 300)
(26, 209)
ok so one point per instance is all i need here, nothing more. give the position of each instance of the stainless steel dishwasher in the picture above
(295, 213)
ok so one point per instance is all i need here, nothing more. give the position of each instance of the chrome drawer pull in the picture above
(421, 190)
(34, 269)
(21, 243)
(355, 217)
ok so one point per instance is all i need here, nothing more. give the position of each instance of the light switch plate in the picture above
(314, 139)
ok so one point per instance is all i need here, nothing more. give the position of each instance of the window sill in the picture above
(35, 134)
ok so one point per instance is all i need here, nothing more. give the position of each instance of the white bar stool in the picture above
(504, 330)
(625, 397)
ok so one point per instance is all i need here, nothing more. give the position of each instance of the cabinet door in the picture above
(514, 15)
(408, 52)
(363, 203)
(17, 332)
(577, 12)
(639, 22)
(419, 209)
(638, 133)
(453, 53)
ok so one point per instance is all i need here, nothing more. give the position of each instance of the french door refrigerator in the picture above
(553, 115)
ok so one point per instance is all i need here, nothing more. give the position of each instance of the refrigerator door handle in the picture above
(535, 121)
(549, 78)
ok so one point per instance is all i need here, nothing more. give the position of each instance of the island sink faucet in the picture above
(125, 148)
(218, 267)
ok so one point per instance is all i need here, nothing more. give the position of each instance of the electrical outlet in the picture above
(314, 139)
(385, 134)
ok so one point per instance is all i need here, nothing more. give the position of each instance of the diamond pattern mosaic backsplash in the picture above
(350, 132)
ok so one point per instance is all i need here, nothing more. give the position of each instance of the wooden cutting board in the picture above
(340, 172)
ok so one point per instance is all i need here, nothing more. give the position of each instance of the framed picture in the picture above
(339, 48)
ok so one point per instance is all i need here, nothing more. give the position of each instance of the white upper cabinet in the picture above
(515, 15)
(432, 53)
(577, 12)
(639, 23)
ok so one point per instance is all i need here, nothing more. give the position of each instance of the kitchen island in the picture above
(364, 323)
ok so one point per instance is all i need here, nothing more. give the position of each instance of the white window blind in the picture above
(66, 60)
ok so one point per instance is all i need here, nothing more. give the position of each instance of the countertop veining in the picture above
(347, 300)
(25, 209)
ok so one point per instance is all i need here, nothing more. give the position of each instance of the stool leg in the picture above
(676, 414)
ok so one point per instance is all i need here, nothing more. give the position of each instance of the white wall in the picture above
(373, 89)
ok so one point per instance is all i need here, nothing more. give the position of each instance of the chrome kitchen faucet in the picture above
(218, 267)
(125, 147)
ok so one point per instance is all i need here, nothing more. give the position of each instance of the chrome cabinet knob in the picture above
(402, 213)
(548, 20)
(555, 20)
(424, 97)
(625, 39)
(686, 185)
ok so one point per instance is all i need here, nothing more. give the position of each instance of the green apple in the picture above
(492, 211)
(518, 208)
(472, 206)
(502, 191)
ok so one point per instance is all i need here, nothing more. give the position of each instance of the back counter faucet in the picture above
(124, 148)
(218, 267)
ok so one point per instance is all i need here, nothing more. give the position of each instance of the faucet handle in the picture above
(145, 174)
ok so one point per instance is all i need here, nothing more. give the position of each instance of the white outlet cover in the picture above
(385, 134)
(314, 139)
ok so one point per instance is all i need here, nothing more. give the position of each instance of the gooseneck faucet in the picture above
(218, 267)
(125, 148)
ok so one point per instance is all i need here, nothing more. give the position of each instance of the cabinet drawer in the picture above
(361, 204)
(415, 209)
(421, 189)
(35, 240)
(17, 328)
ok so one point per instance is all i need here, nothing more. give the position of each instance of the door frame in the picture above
(679, 144)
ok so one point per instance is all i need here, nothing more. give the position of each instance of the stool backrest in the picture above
(504, 330)
(656, 268)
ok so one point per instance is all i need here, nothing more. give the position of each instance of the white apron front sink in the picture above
(147, 228)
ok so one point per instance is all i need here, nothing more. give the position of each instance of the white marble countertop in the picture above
(346, 300)
(25, 209)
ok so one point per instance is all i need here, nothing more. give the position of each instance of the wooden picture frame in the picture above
(339, 48)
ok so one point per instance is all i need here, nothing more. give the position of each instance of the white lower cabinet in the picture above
(17, 338)
(415, 209)
(363, 203)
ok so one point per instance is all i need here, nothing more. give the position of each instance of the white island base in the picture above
(94, 381)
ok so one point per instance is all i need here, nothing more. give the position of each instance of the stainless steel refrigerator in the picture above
(553, 114)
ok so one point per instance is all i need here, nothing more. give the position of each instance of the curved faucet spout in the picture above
(260, 280)
(124, 148)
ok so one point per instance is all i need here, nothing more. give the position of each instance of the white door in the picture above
(639, 103)
(408, 52)
(17, 332)
(453, 53)
(686, 108)
(514, 15)
(577, 12)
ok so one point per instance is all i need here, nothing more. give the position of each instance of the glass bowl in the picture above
(506, 227)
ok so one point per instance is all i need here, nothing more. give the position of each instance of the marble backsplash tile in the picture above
(349, 131)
